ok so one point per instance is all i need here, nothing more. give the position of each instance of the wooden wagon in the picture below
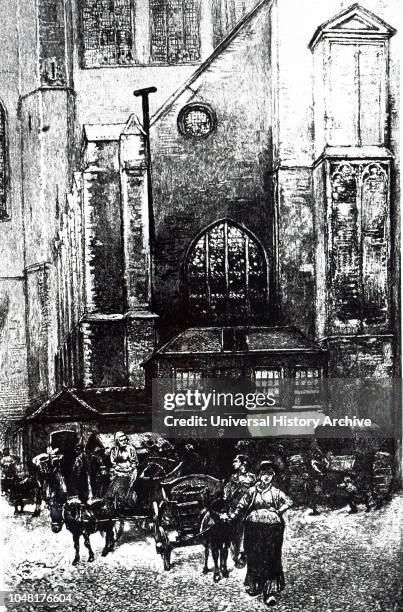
(178, 514)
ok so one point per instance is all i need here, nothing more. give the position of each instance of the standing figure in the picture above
(100, 471)
(9, 470)
(234, 489)
(45, 464)
(124, 468)
(263, 507)
(8, 464)
(83, 476)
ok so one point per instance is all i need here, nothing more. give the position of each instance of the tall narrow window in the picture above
(307, 387)
(107, 32)
(268, 381)
(3, 164)
(227, 276)
(375, 256)
(359, 245)
(345, 262)
(175, 32)
(187, 379)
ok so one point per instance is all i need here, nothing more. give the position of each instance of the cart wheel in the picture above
(166, 557)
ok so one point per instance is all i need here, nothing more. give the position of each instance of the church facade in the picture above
(248, 228)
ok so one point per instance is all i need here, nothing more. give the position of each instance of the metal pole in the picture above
(144, 93)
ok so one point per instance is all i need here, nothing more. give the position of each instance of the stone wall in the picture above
(199, 181)
(14, 397)
(104, 353)
(295, 247)
(39, 329)
(103, 244)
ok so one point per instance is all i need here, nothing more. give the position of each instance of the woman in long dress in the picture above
(124, 468)
(263, 507)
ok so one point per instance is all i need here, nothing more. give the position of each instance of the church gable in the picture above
(352, 22)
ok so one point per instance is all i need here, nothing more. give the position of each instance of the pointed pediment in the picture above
(133, 126)
(352, 23)
(355, 23)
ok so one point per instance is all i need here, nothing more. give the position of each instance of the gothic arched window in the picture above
(226, 273)
(108, 33)
(175, 31)
(3, 164)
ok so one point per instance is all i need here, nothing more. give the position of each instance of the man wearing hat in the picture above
(263, 507)
(45, 464)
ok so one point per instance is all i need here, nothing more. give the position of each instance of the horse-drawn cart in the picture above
(154, 471)
(178, 515)
(148, 489)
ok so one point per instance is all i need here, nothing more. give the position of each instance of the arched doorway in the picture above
(226, 276)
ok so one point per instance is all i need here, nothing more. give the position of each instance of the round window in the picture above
(196, 120)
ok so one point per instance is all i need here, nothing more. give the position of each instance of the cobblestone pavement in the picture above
(334, 562)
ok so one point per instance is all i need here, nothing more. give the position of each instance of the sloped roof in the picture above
(204, 66)
(115, 400)
(93, 404)
(103, 131)
(258, 339)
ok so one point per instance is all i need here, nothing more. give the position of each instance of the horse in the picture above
(23, 490)
(80, 518)
(217, 536)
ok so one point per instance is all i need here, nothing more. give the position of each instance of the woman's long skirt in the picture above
(263, 549)
(120, 491)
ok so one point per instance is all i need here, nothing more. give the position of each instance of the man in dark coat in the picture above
(235, 488)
